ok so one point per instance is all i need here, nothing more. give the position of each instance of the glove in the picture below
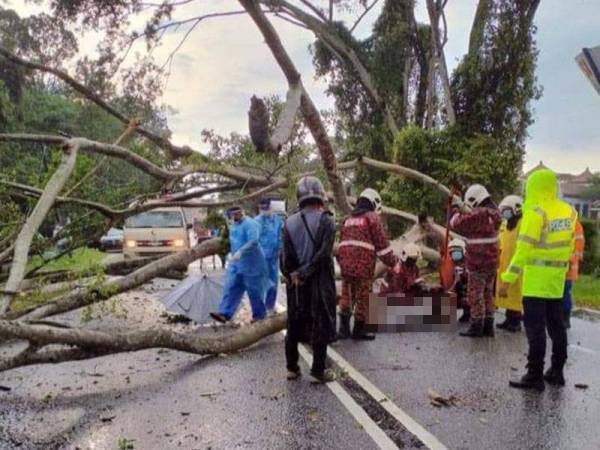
(503, 290)
(397, 268)
(236, 256)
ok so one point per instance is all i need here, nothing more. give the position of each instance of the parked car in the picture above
(112, 240)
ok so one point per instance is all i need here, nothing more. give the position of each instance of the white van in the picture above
(158, 232)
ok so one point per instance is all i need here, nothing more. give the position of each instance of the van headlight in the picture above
(130, 243)
(177, 243)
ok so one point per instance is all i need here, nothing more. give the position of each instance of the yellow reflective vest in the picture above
(546, 239)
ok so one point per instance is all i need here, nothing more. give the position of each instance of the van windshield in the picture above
(156, 219)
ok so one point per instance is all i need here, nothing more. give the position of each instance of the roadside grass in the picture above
(586, 291)
(81, 259)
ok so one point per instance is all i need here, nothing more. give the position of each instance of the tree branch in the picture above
(95, 343)
(162, 142)
(309, 111)
(362, 16)
(32, 224)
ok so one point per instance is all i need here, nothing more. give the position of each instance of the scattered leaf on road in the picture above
(581, 386)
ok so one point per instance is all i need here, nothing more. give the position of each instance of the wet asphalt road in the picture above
(490, 414)
(165, 399)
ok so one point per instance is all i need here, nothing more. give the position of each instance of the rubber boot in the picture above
(488, 327)
(555, 376)
(344, 331)
(475, 329)
(514, 325)
(466, 315)
(359, 333)
(529, 381)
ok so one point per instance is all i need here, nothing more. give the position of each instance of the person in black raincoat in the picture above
(307, 265)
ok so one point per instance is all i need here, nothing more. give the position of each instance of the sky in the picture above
(225, 61)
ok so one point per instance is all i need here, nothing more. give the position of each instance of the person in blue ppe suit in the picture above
(247, 269)
(271, 226)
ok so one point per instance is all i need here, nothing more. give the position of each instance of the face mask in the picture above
(507, 214)
(456, 255)
(410, 262)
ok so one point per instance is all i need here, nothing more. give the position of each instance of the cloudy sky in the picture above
(225, 61)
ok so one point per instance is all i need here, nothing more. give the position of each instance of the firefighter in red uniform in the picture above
(404, 277)
(362, 241)
(480, 227)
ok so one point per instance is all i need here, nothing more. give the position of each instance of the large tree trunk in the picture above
(33, 223)
(90, 344)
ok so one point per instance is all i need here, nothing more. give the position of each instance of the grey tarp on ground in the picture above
(195, 297)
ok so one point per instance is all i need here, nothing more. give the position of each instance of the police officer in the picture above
(247, 269)
(307, 265)
(544, 247)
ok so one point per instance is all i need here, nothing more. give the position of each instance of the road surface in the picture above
(159, 399)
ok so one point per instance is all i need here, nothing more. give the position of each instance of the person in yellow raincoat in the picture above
(511, 208)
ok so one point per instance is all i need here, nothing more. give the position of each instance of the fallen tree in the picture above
(183, 162)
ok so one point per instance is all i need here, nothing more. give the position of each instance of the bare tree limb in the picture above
(326, 33)
(33, 222)
(161, 141)
(82, 297)
(437, 49)
(95, 343)
(285, 126)
(362, 16)
(309, 111)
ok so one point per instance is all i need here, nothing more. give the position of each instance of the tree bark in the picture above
(32, 224)
(97, 343)
(434, 17)
(309, 111)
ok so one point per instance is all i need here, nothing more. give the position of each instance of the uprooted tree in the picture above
(401, 122)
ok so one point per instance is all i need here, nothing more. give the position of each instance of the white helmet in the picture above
(410, 250)
(475, 195)
(514, 202)
(373, 196)
(458, 243)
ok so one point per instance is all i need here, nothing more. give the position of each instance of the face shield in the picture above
(456, 254)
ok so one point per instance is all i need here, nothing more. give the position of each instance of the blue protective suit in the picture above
(248, 274)
(270, 241)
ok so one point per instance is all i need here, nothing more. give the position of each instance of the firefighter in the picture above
(404, 277)
(362, 241)
(511, 209)
(544, 247)
(480, 227)
(573, 273)
(457, 248)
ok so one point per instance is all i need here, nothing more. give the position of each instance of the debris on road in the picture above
(438, 401)
(581, 386)
(5, 388)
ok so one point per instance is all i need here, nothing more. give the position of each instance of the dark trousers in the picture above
(292, 355)
(539, 315)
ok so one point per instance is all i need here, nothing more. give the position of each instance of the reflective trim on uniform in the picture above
(528, 239)
(490, 240)
(354, 243)
(384, 251)
(515, 269)
(578, 254)
(547, 263)
(579, 236)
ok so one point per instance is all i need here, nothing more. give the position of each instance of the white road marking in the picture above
(377, 434)
(359, 414)
(583, 349)
(408, 422)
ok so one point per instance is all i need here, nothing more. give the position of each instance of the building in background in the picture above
(573, 190)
